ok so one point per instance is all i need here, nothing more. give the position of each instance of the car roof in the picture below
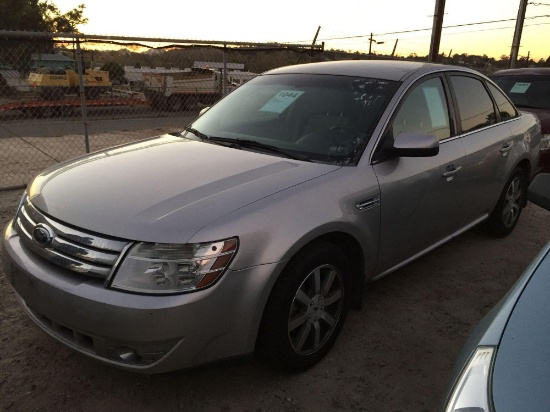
(379, 69)
(532, 71)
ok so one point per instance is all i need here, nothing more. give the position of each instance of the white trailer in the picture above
(185, 90)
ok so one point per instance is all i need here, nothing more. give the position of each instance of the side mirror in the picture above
(539, 191)
(409, 144)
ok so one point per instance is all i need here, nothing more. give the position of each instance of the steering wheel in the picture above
(346, 133)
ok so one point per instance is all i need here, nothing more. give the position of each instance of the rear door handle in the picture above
(451, 170)
(506, 148)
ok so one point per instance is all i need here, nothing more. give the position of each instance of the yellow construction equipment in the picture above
(55, 83)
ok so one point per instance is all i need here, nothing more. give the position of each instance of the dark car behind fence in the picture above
(63, 95)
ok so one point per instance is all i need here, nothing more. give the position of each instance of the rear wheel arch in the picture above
(504, 217)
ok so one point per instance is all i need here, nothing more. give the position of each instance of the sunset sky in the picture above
(345, 24)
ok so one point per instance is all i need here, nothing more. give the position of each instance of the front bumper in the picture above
(142, 333)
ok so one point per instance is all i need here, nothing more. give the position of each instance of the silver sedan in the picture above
(256, 228)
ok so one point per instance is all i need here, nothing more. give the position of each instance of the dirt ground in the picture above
(396, 354)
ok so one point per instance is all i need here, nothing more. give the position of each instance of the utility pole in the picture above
(371, 40)
(394, 47)
(370, 44)
(517, 34)
(436, 30)
(314, 41)
(315, 38)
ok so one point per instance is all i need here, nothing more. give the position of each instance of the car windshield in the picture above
(318, 118)
(526, 91)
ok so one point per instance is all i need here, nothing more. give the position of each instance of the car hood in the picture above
(163, 189)
(522, 369)
(543, 115)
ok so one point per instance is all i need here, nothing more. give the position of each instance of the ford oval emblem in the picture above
(42, 235)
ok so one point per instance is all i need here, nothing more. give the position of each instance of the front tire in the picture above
(307, 308)
(505, 216)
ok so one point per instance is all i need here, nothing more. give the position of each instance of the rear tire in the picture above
(175, 104)
(505, 216)
(191, 103)
(306, 309)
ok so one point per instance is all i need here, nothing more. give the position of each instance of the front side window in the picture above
(423, 110)
(321, 118)
(474, 103)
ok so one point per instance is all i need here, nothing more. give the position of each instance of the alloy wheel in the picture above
(315, 309)
(512, 205)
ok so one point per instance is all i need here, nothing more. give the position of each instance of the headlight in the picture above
(545, 142)
(21, 202)
(471, 392)
(161, 268)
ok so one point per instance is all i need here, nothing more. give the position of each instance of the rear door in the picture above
(489, 146)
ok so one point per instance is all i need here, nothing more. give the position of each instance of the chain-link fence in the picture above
(65, 95)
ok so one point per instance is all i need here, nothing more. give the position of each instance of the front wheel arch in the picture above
(320, 255)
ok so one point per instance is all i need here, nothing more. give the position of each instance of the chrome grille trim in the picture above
(72, 249)
(73, 234)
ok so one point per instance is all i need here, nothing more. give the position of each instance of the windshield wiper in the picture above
(200, 135)
(240, 143)
(252, 144)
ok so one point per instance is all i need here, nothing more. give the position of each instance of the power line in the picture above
(464, 25)
(427, 29)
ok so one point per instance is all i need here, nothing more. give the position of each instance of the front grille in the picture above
(73, 249)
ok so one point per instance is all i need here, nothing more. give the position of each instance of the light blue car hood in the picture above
(163, 189)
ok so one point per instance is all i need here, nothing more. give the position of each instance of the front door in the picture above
(421, 202)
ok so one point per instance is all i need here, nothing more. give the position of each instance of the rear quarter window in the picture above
(505, 108)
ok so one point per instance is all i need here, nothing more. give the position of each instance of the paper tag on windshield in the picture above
(281, 101)
(520, 88)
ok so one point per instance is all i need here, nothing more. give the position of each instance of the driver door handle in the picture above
(451, 170)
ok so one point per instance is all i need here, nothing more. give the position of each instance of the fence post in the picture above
(80, 69)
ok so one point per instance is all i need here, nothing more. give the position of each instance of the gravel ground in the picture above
(396, 354)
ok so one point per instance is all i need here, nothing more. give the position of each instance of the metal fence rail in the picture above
(63, 95)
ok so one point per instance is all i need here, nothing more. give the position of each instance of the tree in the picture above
(21, 15)
(40, 15)
(116, 71)
(62, 23)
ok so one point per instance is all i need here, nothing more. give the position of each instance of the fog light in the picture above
(127, 354)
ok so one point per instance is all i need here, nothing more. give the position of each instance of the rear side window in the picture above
(474, 103)
(505, 108)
